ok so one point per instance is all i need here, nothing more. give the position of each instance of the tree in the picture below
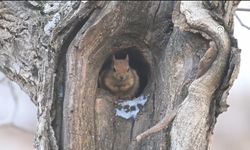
(185, 54)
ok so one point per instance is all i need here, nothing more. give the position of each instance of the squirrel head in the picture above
(121, 69)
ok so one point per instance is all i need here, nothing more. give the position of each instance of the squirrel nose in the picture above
(121, 78)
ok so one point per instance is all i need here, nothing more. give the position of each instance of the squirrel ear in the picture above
(127, 58)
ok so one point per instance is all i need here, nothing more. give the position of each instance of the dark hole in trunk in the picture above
(137, 61)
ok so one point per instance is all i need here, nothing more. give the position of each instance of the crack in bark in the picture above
(153, 113)
(157, 9)
(62, 56)
(114, 138)
(132, 128)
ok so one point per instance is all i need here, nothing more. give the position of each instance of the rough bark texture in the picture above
(55, 51)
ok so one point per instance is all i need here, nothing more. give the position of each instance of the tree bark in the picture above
(185, 53)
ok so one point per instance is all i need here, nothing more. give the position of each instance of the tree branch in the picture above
(243, 9)
(158, 127)
(241, 23)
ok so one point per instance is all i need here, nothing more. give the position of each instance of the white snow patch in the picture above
(34, 3)
(51, 7)
(16, 67)
(52, 24)
(67, 7)
(130, 109)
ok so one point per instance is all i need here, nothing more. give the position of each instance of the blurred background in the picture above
(232, 130)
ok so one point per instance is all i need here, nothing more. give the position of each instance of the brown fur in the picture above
(120, 79)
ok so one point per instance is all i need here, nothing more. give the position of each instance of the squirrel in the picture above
(120, 79)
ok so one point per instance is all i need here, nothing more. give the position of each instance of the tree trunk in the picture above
(184, 53)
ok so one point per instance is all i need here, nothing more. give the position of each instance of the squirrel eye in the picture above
(128, 70)
(114, 69)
